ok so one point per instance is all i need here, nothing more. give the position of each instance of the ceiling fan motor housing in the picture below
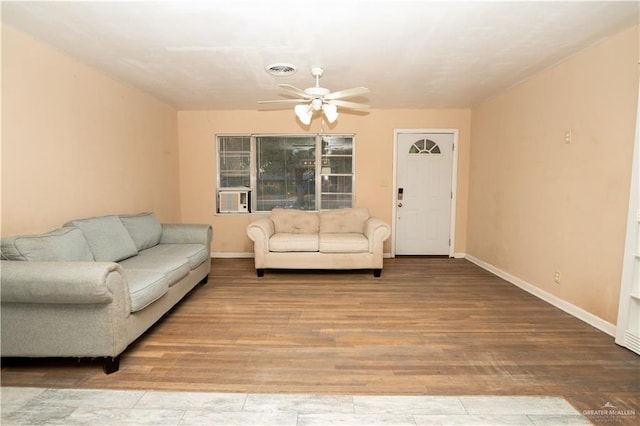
(317, 91)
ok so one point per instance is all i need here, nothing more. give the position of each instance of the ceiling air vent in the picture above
(281, 69)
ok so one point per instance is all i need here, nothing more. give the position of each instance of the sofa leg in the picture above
(377, 273)
(260, 272)
(204, 280)
(111, 364)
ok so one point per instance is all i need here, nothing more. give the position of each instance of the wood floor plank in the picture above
(432, 326)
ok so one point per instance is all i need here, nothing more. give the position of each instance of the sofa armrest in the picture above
(187, 233)
(59, 282)
(377, 231)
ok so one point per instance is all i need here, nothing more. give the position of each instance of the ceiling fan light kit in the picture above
(315, 99)
(304, 113)
(330, 112)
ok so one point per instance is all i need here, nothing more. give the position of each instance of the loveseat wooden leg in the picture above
(377, 273)
(260, 272)
(111, 364)
(204, 280)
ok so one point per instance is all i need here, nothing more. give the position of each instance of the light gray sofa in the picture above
(333, 239)
(92, 287)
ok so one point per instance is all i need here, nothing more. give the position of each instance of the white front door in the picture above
(423, 197)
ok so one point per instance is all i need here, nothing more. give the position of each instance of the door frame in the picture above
(454, 184)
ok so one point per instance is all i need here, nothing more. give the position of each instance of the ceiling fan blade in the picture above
(294, 90)
(347, 104)
(278, 104)
(347, 93)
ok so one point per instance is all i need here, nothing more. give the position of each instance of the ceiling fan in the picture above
(314, 99)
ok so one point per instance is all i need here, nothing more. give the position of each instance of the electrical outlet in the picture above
(556, 277)
(568, 136)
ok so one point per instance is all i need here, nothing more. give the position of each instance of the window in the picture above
(336, 172)
(424, 146)
(307, 172)
(286, 175)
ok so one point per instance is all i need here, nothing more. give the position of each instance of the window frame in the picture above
(253, 167)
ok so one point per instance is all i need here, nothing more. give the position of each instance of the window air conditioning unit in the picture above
(234, 201)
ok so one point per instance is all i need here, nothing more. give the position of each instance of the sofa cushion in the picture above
(344, 220)
(62, 245)
(173, 267)
(145, 287)
(144, 228)
(292, 221)
(284, 242)
(343, 242)
(195, 254)
(107, 237)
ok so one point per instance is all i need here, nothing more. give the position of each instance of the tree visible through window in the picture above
(286, 175)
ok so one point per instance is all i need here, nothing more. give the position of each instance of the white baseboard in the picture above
(567, 307)
(226, 255)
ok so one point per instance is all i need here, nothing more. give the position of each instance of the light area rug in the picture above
(29, 406)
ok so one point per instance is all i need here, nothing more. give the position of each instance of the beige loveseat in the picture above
(333, 239)
(92, 287)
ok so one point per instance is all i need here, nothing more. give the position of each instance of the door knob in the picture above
(399, 204)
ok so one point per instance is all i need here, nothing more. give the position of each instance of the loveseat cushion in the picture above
(284, 242)
(344, 220)
(145, 287)
(293, 221)
(144, 228)
(195, 254)
(173, 267)
(343, 242)
(62, 245)
(107, 237)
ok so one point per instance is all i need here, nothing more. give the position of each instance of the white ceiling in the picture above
(411, 54)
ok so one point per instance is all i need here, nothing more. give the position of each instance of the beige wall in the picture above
(538, 205)
(374, 161)
(77, 143)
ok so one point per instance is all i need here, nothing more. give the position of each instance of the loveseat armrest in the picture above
(186, 233)
(59, 282)
(260, 231)
(377, 231)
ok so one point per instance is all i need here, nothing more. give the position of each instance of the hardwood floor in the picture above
(432, 326)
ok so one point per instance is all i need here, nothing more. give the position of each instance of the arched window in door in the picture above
(424, 146)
